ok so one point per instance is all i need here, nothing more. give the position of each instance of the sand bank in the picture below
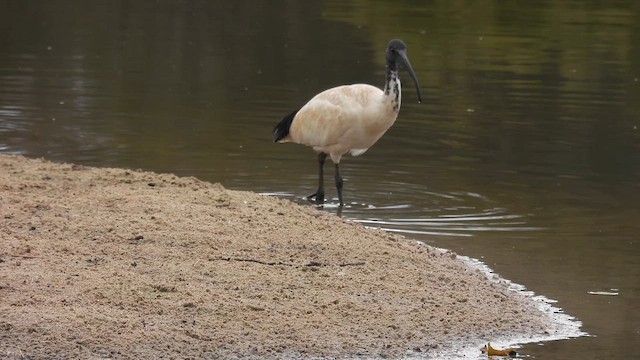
(116, 263)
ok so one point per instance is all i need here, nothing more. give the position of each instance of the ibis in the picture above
(348, 118)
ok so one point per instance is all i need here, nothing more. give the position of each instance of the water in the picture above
(525, 153)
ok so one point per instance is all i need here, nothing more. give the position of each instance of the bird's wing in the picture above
(333, 113)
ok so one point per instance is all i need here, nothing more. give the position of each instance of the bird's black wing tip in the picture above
(281, 130)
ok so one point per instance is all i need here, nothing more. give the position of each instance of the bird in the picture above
(348, 118)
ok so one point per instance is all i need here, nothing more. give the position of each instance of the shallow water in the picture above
(524, 154)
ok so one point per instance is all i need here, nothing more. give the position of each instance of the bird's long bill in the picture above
(407, 65)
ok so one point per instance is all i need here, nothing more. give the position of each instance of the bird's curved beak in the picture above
(407, 65)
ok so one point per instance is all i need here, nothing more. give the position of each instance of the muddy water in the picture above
(525, 153)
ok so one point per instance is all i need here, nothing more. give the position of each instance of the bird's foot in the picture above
(317, 198)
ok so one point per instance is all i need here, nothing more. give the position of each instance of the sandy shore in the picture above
(115, 263)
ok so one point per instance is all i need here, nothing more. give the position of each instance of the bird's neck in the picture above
(392, 88)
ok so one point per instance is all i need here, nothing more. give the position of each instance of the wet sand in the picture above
(115, 263)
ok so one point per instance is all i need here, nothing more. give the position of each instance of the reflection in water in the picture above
(525, 152)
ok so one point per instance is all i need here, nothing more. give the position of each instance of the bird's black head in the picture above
(395, 47)
(396, 56)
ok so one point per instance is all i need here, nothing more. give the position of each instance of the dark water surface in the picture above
(525, 153)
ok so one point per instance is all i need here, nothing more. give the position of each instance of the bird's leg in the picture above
(339, 184)
(318, 196)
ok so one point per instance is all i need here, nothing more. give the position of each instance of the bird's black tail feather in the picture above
(281, 130)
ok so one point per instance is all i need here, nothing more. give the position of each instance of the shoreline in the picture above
(102, 262)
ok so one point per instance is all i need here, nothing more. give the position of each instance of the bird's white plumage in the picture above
(346, 119)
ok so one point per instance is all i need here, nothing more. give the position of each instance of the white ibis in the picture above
(348, 118)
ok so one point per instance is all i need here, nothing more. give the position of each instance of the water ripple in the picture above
(471, 215)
